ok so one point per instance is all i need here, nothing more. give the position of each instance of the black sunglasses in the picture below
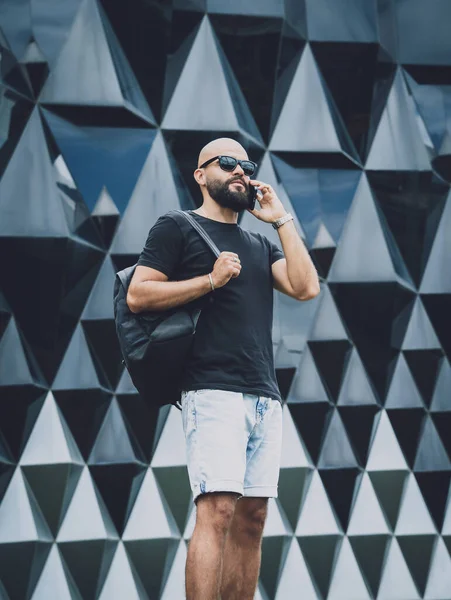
(229, 163)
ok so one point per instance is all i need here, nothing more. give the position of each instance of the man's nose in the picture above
(238, 170)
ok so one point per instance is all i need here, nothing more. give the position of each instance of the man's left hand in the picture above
(271, 207)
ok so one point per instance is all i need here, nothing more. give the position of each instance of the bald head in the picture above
(219, 146)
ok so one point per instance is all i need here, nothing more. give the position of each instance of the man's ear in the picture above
(199, 176)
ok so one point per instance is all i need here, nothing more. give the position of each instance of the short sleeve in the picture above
(163, 246)
(275, 253)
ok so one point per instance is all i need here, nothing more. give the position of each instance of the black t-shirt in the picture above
(233, 343)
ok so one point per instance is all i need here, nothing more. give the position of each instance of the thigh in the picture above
(264, 451)
(215, 429)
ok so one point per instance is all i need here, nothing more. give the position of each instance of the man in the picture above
(231, 404)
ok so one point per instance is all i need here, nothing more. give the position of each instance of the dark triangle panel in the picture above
(424, 366)
(320, 554)
(417, 551)
(416, 198)
(88, 563)
(341, 486)
(84, 411)
(140, 418)
(119, 485)
(18, 417)
(389, 487)
(359, 422)
(21, 566)
(144, 35)
(296, 470)
(437, 306)
(350, 70)
(259, 40)
(371, 553)
(331, 357)
(371, 330)
(408, 423)
(133, 97)
(274, 552)
(434, 486)
(64, 271)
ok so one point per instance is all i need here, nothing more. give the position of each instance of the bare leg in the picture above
(205, 550)
(242, 552)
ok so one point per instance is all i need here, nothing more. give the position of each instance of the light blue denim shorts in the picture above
(233, 442)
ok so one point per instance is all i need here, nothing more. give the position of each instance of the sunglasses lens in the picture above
(227, 163)
(248, 167)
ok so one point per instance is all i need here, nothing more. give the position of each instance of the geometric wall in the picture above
(346, 106)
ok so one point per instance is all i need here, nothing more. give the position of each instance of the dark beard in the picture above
(227, 198)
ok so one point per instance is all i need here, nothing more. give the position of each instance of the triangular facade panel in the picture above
(348, 118)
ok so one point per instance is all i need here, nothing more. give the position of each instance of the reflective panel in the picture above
(345, 105)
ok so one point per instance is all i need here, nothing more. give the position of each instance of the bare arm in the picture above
(296, 275)
(150, 289)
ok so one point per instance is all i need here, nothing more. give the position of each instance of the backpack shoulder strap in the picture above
(200, 230)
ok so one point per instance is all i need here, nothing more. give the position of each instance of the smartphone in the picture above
(252, 196)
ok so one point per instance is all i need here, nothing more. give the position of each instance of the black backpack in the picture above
(155, 345)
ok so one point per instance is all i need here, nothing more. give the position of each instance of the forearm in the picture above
(162, 295)
(301, 271)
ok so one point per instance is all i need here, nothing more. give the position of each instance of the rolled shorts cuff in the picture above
(217, 485)
(261, 491)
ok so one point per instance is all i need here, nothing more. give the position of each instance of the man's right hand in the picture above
(227, 266)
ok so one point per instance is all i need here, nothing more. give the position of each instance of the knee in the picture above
(216, 513)
(252, 522)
